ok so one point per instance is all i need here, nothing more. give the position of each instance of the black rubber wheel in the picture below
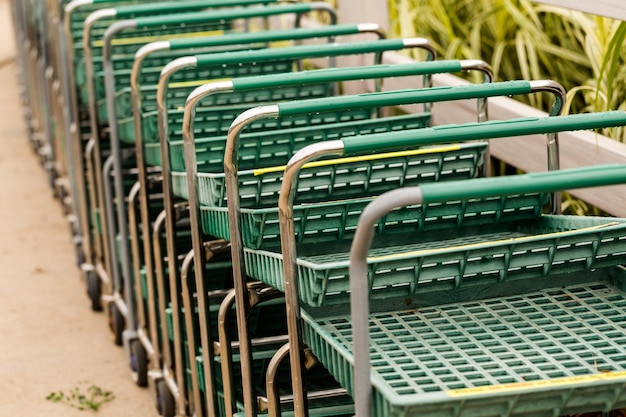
(139, 363)
(165, 400)
(117, 323)
(94, 291)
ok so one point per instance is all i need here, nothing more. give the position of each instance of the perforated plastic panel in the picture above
(501, 347)
(420, 262)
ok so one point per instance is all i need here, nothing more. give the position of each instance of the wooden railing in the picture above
(615, 9)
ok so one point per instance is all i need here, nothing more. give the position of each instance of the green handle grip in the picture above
(346, 74)
(162, 8)
(485, 130)
(264, 36)
(107, 1)
(566, 179)
(221, 15)
(402, 97)
(298, 52)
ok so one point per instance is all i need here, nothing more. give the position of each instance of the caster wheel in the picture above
(165, 400)
(139, 363)
(117, 324)
(94, 291)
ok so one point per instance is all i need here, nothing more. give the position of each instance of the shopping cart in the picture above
(519, 345)
(403, 273)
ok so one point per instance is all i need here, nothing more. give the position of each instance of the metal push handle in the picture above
(439, 192)
(356, 73)
(272, 35)
(242, 38)
(229, 14)
(493, 129)
(400, 97)
(147, 9)
(307, 51)
(105, 1)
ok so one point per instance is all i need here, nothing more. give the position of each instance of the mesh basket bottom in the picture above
(501, 347)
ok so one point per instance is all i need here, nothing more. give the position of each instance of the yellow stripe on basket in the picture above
(195, 83)
(352, 159)
(529, 385)
(478, 245)
(148, 39)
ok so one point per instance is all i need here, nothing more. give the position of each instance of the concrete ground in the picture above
(50, 340)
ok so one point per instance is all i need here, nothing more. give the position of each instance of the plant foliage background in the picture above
(526, 40)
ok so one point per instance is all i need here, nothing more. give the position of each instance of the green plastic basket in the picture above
(215, 117)
(558, 348)
(270, 146)
(183, 83)
(345, 190)
(483, 245)
(261, 188)
(124, 55)
(153, 154)
(210, 119)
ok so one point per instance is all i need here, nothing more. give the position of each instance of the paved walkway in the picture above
(49, 339)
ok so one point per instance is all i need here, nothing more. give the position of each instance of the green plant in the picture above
(91, 400)
(526, 40)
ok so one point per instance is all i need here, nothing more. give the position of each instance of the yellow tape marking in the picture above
(516, 386)
(477, 245)
(195, 83)
(147, 39)
(263, 171)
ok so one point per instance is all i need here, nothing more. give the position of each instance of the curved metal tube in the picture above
(168, 199)
(198, 246)
(232, 191)
(142, 177)
(485, 69)
(288, 246)
(332, 13)
(140, 313)
(271, 387)
(482, 109)
(125, 275)
(157, 231)
(187, 296)
(112, 230)
(103, 273)
(431, 55)
(97, 203)
(552, 139)
(74, 131)
(226, 352)
(359, 303)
